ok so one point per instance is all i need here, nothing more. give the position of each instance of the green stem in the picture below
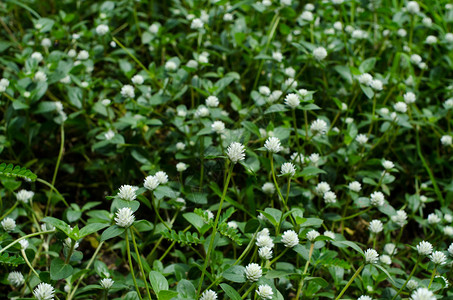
(407, 280)
(356, 214)
(296, 132)
(157, 213)
(350, 281)
(432, 277)
(26, 237)
(310, 253)
(248, 291)
(372, 115)
(57, 166)
(9, 211)
(278, 257)
(131, 266)
(28, 262)
(140, 263)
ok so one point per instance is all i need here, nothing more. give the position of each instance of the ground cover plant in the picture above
(226, 149)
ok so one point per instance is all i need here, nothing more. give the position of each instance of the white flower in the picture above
(180, 146)
(109, 134)
(297, 157)
(162, 177)
(37, 56)
(235, 152)
(181, 167)
(307, 16)
(286, 2)
(448, 230)
(330, 234)
(232, 224)
(212, 101)
(355, 186)
(127, 91)
(8, 224)
(338, 26)
(197, 23)
(127, 192)
(102, 29)
(446, 140)
(409, 97)
(448, 218)
(265, 252)
(208, 295)
(450, 249)
(424, 248)
(277, 56)
(288, 169)
(290, 72)
(253, 272)
(151, 182)
(314, 158)
(124, 217)
(218, 127)
(431, 39)
(422, 293)
(23, 244)
(24, 196)
(330, 197)
(412, 7)
(433, 218)
(68, 242)
(273, 145)
(385, 259)
(412, 284)
(322, 188)
(46, 42)
(106, 283)
(83, 55)
(376, 226)
(387, 164)
(210, 214)
(170, 66)
(400, 218)
(264, 90)
(265, 291)
(312, 235)
(40, 76)
(66, 79)
(292, 100)
(268, 188)
(449, 37)
(365, 79)
(192, 64)
(377, 199)
(154, 28)
(290, 83)
(290, 238)
(202, 111)
(228, 17)
(376, 84)
(363, 297)
(44, 291)
(318, 127)
(362, 139)
(390, 249)
(438, 258)
(371, 256)
(416, 59)
(264, 241)
(16, 279)
(319, 53)
(137, 79)
(275, 95)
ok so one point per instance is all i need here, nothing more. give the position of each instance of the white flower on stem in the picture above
(181, 167)
(102, 29)
(138, 79)
(127, 192)
(127, 91)
(400, 218)
(23, 244)
(273, 145)
(376, 85)
(264, 241)
(446, 140)
(180, 146)
(106, 283)
(290, 238)
(438, 258)
(212, 101)
(365, 79)
(377, 199)
(390, 249)
(412, 284)
(8, 224)
(330, 234)
(37, 56)
(288, 169)
(412, 7)
(253, 272)
(292, 100)
(376, 226)
(265, 252)
(268, 188)
(162, 177)
(235, 152)
(312, 235)
(387, 164)
(124, 217)
(44, 291)
(363, 297)
(208, 295)
(362, 139)
(409, 97)
(322, 188)
(400, 107)
(24, 196)
(278, 56)
(371, 256)
(424, 248)
(330, 197)
(264, 291)
(151, 182)
(40, 76)
(170, 66)
(433, 219)
(83, 55)
(355, 186)
(385, 259)
(16, 279)
(197, 23)
(422, 293)
(450, 249)
(318, 127)
(319, 53)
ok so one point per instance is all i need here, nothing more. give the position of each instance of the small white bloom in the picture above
(424, 248)
(318, 127)
(292, 100)
(314, 158)
(264, 241)
(365, 79)
(83, 55)
(422, 293)
(363, 297)
(162, 177)
(40, 76)
(330, 197)
(24, 196)
(371, 256)
(127, 91)
(312, 235)
(319, 53)
(16, 279)
(412, 284)
(264, 291)
(37, 56)
(448, 230)
(390, 249)
(235, 152)
(208, 295)
(192, 64)
(388, 165)
(355, 186)
(44, 291)
(218, 127)
(290, 72)
(151, 182)
(253, 272)
(8, 224)
(290, 238)
(154, 28)
(268, 188)
(409, 97)
(376, 85)
(66, 79)
(124, 217)
(137, 79)
(170, 66)
(102, 29)
(197, 23)
(127, 192)
(202, 111)
(433, 219)
(106, 283)
(385, 259)
(450, 249)
(446, 140)
(416, 59)
(431, 39)
(109, 135)
(232, 224)
(400, 218)
(377, 199)
(278, 56)
(361, 138)
(449, 37)
(322, 188)
(376, 226)
(212, 101)
(273, 145)
(264, 90)
(180, 146)
(288, 169)
(181, 167)
(412, 7)
(46, 42)
(228, 17)
(307, 16)
(265, 253)
(23, 244)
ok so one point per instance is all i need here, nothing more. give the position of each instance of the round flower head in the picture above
(265, 253)
(290, 238)
(387, 164)
(318, 127)
(376, 226)
(422, 293)
(24, 196)
(102, 29)
(319, 53)
(446, 140)
(409, 97)
(170, 66)
(292, 100)
(264, 241)
(218, 127)
(162, 177)
(377, 199)
(180, 146)
(127, 91)
(264, 291)
(196, 24)
(424, 248)
(448, 230)
(124, 217)
(181, 167)
(212, 101)
(433, 219)
(376, 85)
(253, 272)
(412, 284)
(400, 107)
(232, 224)
(322, 188)
(365, 79)
(235, 152)
(127, 192)
(312, 235)
(330, 234)
(399, 218)
(40, 76)
(330, 197)
(209, 295)
(362, 139)
(273, 145)
(106, 283)
(8, 224)
(137, 79)
(371, 256)
(278, 56)
(390, 249)
(412, 7)
(431, 39)
(37, 56)
(44, 291)
(23, 244)
(438, 258)
(288, 169)
(385, 259)
(16, 279)
(355, 186)
(268, 188)
(151, 182)
(363, 297)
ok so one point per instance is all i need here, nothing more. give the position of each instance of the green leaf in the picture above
(230, 291)
(165, 191)
(367, 65)
(158, 282)
(60, 270)
(10, 170)
(318, 280)
(275, 108)
(385, 271)
(11, 260)
(91, 228)
(166, 295)
(342, 244)
(312, 222)
(311, 171)
(186, 290)
(235, 274)
(58, 224)
(112, 232)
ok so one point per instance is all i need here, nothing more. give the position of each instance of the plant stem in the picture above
(9, 211)
(407, 280)
(130, 265)
(28, 263)
(432, 277)
(350, 281)
(25, 237)
(248, 291)
(140, 263)
(310, 253)
(54, 178)
(356, 214)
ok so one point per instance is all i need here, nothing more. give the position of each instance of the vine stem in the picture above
(128, 249)
(26, 237)
(407, 280)
(350, 281)
(248, 291)
(57, 166)
(140, 262)
(214, 229)
(310, 253)
(432, 277)
(28, 262)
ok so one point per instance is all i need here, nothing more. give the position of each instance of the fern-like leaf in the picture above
(229, 232)
(187, 238)
(11, 260)
(17, 171)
